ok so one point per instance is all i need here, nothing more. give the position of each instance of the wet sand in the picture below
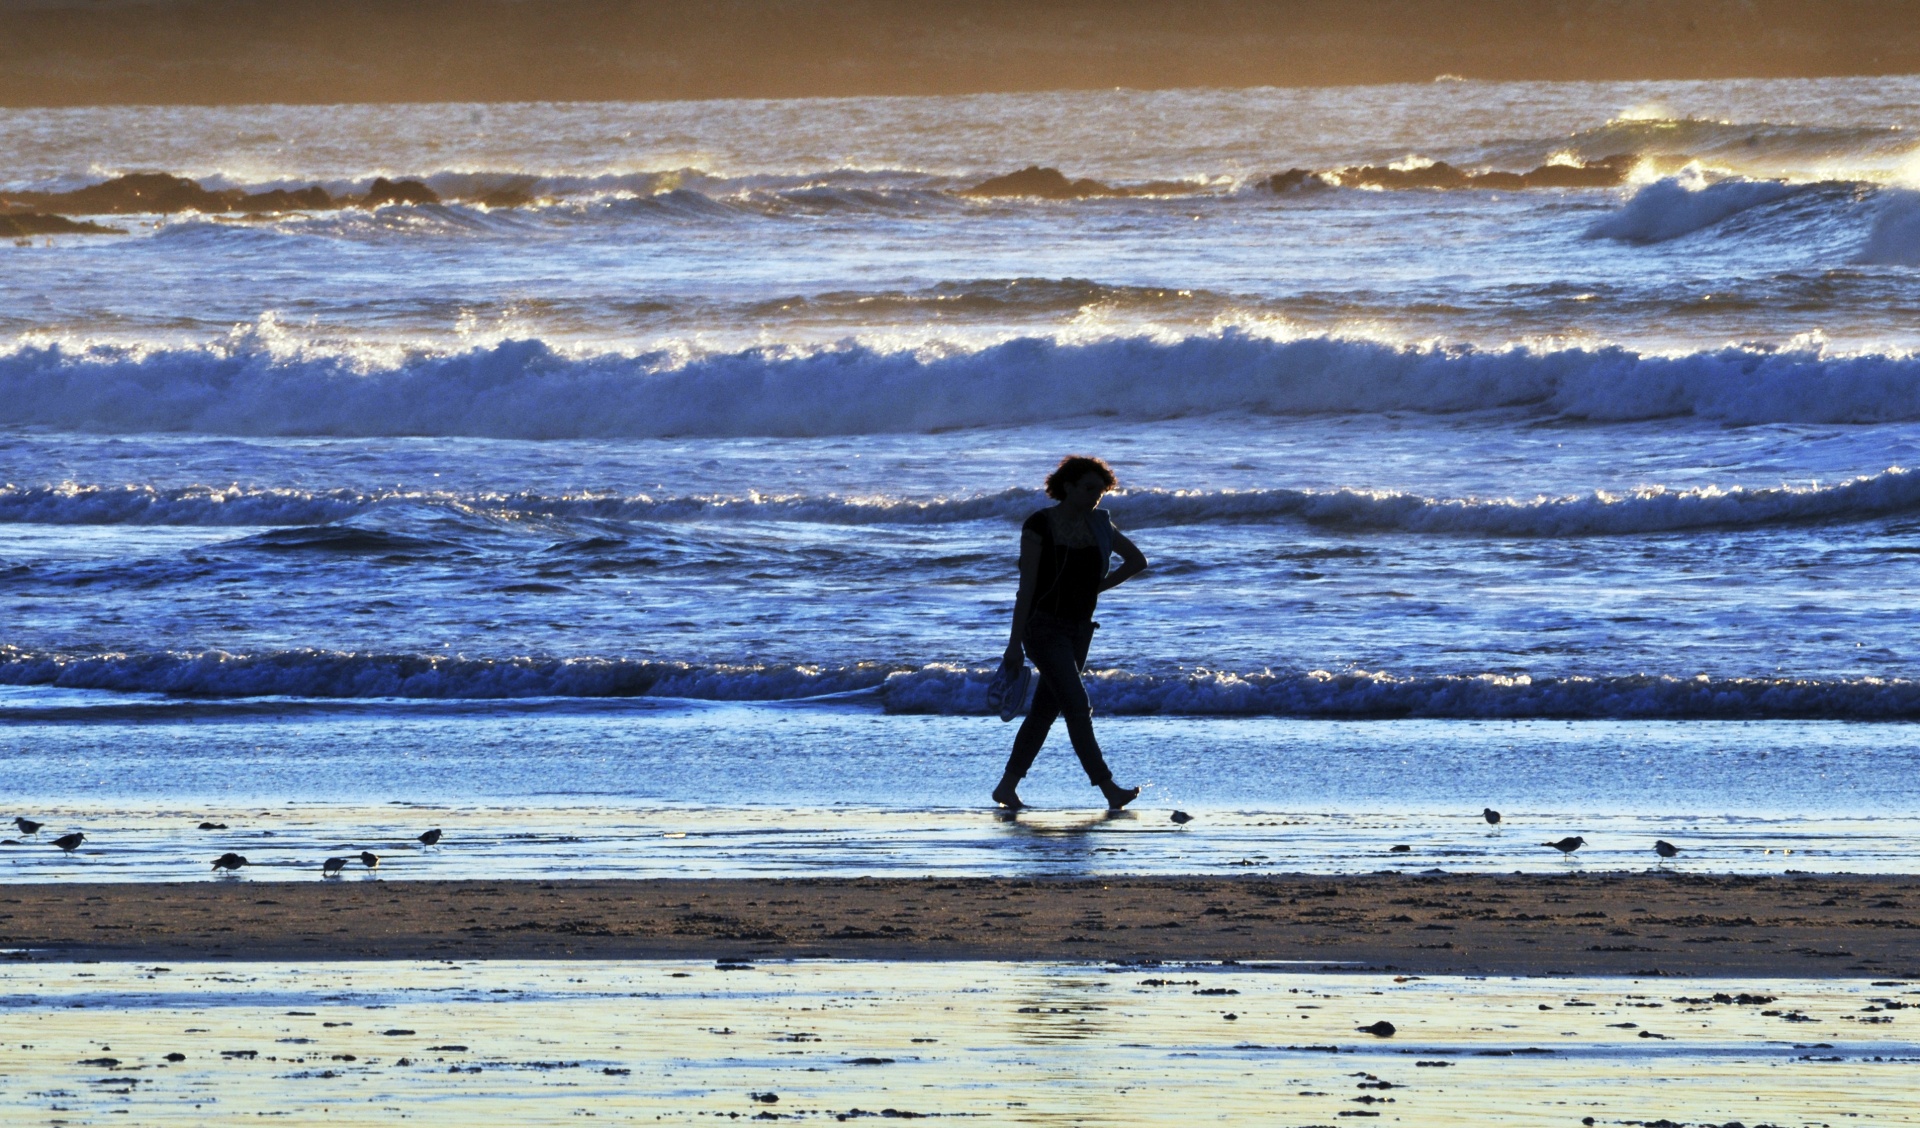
(1644, 924)
(684, 1042)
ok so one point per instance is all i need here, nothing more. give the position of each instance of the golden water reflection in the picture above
(679, 1041)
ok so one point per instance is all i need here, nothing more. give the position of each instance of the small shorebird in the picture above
(431, 838)
(369, 859)
(1664, 848)
(332, 866)
(230, 861)
(1182, 818)
(28, 826)
(1381, 1029)
(1567, 845)
(70, 842)
(1492, 816)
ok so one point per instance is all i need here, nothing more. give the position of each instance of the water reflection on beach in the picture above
(679, 789)
(536, 1043)
(289, 843)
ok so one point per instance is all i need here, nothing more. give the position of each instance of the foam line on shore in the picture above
(954, 689)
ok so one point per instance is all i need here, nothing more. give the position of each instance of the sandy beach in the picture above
(1618, 924)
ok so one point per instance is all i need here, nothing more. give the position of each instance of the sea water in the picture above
(693, 485)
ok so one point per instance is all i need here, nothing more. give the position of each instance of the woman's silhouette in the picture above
(1064, 553)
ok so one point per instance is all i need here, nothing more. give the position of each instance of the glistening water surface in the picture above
(685, 1042)
(690, 789)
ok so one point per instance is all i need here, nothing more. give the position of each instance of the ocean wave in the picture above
(953, 689)
(71, 503)
(991, 297)
(1895, 238)
(1681, 205)
(1651, 509)
(256, 384)
(1765, 149)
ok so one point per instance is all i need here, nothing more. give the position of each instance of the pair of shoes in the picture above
(1006, 796)
(1117, 796)
(1007, 693)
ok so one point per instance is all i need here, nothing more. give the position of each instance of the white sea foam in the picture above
(1359, 693)
(1600, 513)
(1680, 205)
(954, 689)
(527, 389)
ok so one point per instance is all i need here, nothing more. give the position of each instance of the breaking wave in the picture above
(1681, 205)
(1601, 513)
(954, 689)
(1766, 149)
(526, 389)
(1895, 238)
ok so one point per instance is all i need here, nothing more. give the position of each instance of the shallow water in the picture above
(655, 788)
(539, 1043)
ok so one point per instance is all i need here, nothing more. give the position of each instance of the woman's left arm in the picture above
(1132, 562)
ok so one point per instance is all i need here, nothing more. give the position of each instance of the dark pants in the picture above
(1058, 650)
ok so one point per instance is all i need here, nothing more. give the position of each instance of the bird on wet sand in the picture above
(332, 866)
(1567, 845)
(1182, 818)
(1492, 816)
(369, 859)
(1381, 1029)
(230, 861)
(70, 842)
(1664, 848)
(28, 826)
(431, 838)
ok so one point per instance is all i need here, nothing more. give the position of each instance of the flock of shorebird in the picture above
(1573, 842)
(228, 861)
(1566, 845)
(332, 867)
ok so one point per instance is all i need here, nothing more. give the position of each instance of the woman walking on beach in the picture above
(1064, 553)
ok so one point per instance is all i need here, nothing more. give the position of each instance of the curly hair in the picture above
(1074, 467)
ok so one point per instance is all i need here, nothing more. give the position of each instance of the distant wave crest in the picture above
(1601, 513)
(956, 689)
(527, 389)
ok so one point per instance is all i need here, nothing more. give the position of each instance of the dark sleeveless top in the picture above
(1068, 585)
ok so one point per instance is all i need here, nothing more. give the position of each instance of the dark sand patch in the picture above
(1576, 924)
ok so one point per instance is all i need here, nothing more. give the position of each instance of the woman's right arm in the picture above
(1023, 602)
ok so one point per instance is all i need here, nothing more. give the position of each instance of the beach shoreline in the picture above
(1630, 924)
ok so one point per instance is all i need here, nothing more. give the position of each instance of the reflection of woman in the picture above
(1063, 570)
